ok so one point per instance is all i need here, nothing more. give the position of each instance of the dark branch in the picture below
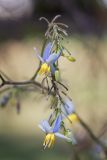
(23, 83)
(91, 134)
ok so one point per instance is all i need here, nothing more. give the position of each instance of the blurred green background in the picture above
(20, 31)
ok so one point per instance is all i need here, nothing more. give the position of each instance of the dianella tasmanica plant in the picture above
(61, 106)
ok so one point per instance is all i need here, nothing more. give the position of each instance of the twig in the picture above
(62, 85)
(22, 83)
(95, 139)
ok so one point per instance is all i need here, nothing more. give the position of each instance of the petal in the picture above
(53, 57)
(41, 127)
(69, 107)
(65, 114)
(38, 56)
(45, 126)
(57, 124)
(63, 137)
(47, 51)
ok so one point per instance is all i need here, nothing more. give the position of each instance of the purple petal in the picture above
(68, 106)
(41, 127)
(45, 126)
(53, 57)
(57, 124)
(62, 136)
(47, 51)
(38, 56)
(69, 139)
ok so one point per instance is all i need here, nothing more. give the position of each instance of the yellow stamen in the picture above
(73, 117)
(45, 68)
(49, 140)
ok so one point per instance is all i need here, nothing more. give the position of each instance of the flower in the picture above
(69, 111)
(5, 99)
(48, 60)
(52, 131)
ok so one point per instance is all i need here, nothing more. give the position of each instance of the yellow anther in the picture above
(49, 140)
(44, 68)
(49, 69)
(73, 117)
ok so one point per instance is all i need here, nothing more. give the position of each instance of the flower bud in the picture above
(57, 75)
(70, 58)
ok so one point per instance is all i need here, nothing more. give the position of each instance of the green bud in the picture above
(57, 75)
(70, 58)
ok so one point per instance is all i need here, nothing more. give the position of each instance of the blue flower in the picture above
(48, 60)
(52, 131)
(68, 110)
(5, 99)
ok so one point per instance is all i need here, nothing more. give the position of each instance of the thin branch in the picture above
(95, 139)
(4, 75)
(62, 85)
(22, 83)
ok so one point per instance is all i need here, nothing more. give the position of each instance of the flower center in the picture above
(45, 68)
(49, 140)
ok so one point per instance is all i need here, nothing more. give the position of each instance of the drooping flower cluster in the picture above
(63, 108)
